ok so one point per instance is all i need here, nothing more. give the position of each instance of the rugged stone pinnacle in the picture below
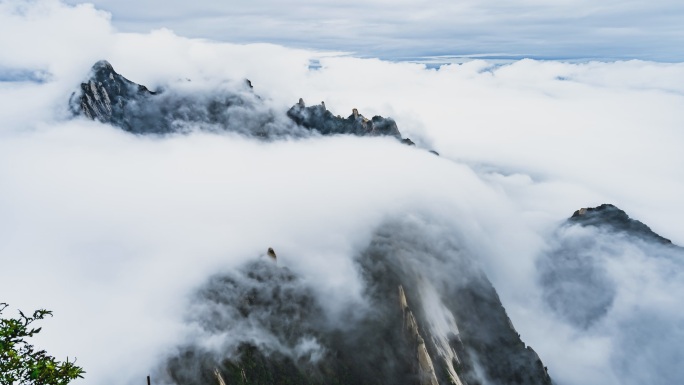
(272, 254)
(612, 218)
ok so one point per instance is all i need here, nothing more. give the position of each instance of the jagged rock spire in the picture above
(320, 119)
(272, 254)
(106, 94)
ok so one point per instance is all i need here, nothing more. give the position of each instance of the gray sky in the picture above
(399, 29)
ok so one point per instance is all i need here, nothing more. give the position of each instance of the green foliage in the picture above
(20, 364)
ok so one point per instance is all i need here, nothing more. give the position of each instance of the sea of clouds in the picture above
(113, 231)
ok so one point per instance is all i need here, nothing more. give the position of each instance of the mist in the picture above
(118, 233)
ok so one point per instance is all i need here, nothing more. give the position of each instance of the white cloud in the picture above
(112, 231)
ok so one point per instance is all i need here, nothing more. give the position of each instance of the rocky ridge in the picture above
(109, 97)
(318, 118)
(610, 217)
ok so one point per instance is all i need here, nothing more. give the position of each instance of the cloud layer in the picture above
(407, 29)
(114, 231)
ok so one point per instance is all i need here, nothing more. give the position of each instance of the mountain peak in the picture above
(102, 65)
(105, 94)
(611, 217)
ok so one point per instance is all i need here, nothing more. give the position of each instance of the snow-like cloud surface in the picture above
(113, 231)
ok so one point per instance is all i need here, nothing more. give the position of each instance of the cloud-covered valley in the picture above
(116, 232)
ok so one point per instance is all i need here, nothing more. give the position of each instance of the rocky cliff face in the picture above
(426, 370)
(432, 318)
(110, 98)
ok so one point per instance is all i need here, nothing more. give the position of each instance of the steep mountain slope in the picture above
(431, 317)
(574, 273)
(108, 96)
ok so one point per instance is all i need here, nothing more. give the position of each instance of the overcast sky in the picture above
(400, 29)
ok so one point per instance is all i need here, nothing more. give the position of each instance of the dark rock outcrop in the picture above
(106, 95)
(431, 318)
(466, 330)
(110, 98)
(610, 217)
(320, 119)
